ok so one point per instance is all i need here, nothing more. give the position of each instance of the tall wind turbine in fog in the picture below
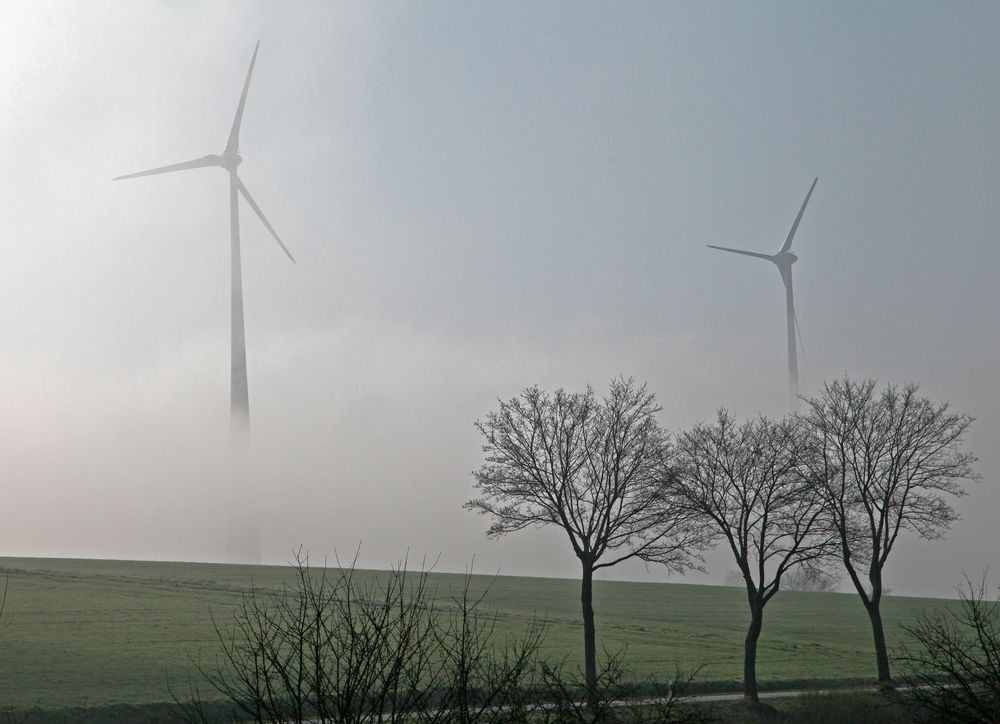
(229, 160)
(784, 260)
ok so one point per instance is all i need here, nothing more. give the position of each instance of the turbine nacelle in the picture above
(784, 257)
(229, 160)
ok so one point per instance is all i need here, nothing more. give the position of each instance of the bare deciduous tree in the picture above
(888, 460)
(594, 468)
(812, 577)
(747, 480)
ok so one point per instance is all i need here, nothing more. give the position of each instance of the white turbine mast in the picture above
(229, 159)
(784, 260)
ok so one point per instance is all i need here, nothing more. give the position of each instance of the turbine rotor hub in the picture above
(229, 160)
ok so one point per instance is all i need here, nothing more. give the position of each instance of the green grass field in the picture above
(96, 633)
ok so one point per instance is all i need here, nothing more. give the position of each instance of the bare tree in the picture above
(594, 468)
(812, 577)
(749, 483)
(955, 667)
(888, 461)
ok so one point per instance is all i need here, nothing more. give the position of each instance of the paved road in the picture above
(789, 694)
(708, 698)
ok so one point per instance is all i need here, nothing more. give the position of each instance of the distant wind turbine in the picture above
(784, 260)
(229, 160)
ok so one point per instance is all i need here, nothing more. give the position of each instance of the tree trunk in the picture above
(750, 653)
(881, 653)
(589, 642)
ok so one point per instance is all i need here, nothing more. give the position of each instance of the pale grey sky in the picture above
(481, 196)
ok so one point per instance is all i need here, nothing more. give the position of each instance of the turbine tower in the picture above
(784, 260)
(229, 159)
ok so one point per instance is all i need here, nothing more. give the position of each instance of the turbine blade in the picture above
(740, 251)
(202, 162)
(791, 234)
(256, 208)
(233, 144)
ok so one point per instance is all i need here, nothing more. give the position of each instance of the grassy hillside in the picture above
(93, 633)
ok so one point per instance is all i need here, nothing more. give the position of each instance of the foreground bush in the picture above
(565, 698)
(338, 646)
(954, 671)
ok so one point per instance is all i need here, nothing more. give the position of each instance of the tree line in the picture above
(807, 498)
(830, 488)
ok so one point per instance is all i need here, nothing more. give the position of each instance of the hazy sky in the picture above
(481, 197)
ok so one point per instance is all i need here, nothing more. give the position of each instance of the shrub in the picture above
(954, 671)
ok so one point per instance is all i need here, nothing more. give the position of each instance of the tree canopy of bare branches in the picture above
(814, 578)
(748, 482)
(889, 460)
(594, 468)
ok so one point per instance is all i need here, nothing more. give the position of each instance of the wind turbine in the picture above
(229, 159)
(784, 260)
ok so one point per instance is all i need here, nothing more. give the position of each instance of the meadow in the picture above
(91, 633)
